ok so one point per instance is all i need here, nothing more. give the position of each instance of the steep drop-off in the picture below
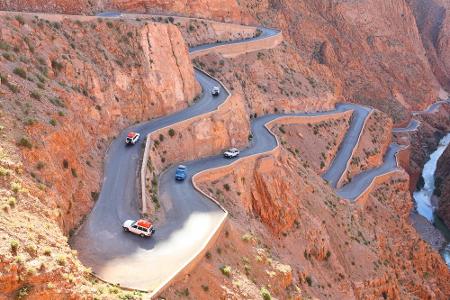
(442, 183)
(433, 21)
(68, 87)
(368, 52)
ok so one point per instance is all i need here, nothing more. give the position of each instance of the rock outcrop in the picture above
(216, 9)
(442, 190)
(335, 249)
(433, 21)
(68, 88)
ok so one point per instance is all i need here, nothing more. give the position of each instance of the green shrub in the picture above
(4, 45)
(47, 251)
(61, 259)
(308, 280)
(14, 246)
(171, 132)
(74, 172)
(161, 137)
(20, 72)
(65, 163)
(24, 142)
(56, 65)
(4, 172)
(8, 56)
(226, 270)
(226, 186)
(15, 186)
(265, 294)
(20, 20)
(52, 122)
(35, 95)
(12, 201)
(57, 102)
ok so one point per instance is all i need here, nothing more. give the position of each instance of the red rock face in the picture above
(433, 20)
(443, 186)
(215, 9)
(111, 75)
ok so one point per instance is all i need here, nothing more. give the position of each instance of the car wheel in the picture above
(126, 229)
(142, 235)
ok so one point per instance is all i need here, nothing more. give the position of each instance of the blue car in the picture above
(180, 173)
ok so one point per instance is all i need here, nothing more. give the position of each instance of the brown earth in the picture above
(369, 52)
(315, 140)
(374, 140)
(201, 136)
(269, 82)
(334, 249)
(67, 89)
(214, 9)
(198, 32)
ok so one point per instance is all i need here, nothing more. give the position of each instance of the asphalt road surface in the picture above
(190, 218)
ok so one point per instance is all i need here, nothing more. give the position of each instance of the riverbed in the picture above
(424, 197)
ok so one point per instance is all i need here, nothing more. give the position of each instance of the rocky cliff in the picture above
(369, 52)
(216, 9)
(443, 186)
(68, 88)
(282, 212)
(433, 21)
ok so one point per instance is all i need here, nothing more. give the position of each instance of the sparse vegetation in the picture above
(14, 246)
(24, 142)
(226, 270)
(61, 259)
(20, 72)
(265, 294)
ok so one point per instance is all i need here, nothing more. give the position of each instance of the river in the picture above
(423, 197)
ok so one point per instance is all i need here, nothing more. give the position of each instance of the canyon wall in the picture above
(442, 190)
(433, 21)
(329, 248)
(369, 52)
(68, 88)
(216, 9)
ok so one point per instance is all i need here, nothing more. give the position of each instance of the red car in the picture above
(132, 138)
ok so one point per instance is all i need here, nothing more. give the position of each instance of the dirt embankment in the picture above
(271, 83)
(67, 89)
(315, 140)
(197, 137)
(330, 248)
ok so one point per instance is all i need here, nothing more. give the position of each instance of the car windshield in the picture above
(181, 170)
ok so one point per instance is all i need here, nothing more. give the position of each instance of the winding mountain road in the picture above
(191, 219)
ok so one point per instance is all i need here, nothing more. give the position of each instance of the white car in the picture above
(215, 91)
(142, 228)
(231, 153)
(132, 138)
